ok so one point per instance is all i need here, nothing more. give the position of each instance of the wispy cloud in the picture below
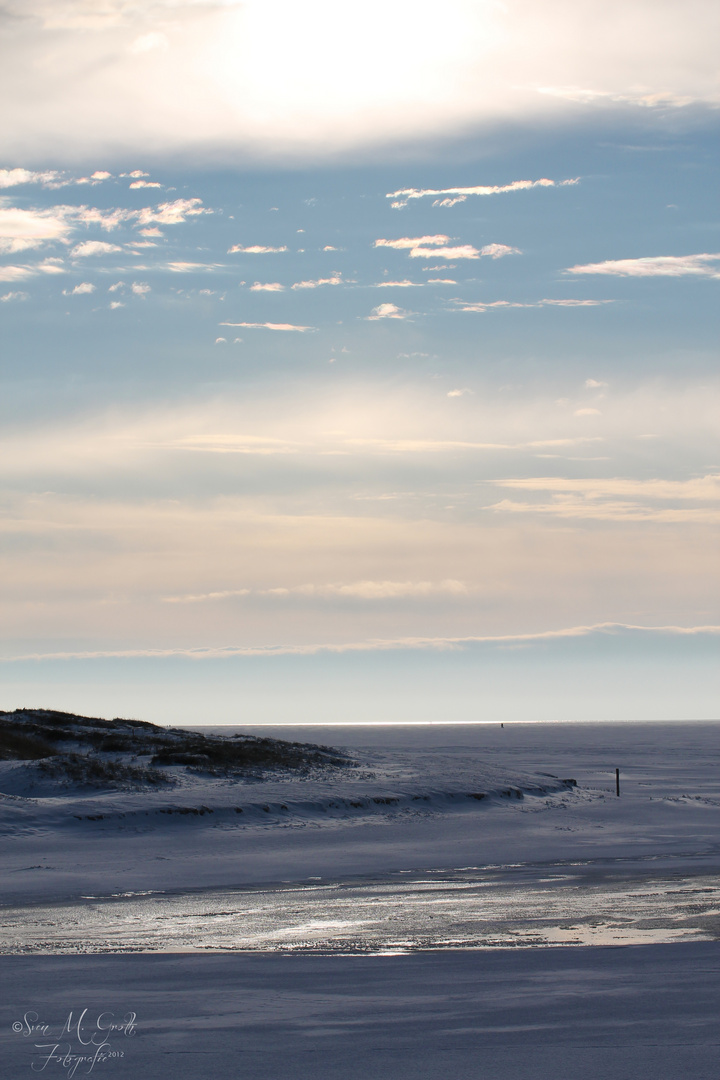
(20, 273)
(618, 499)
(584, 510)
(267, 286)
(398, 284)
(230, 444)
(413, 241)
(354, 590)
(606, 629)
(336, 279)
(270, 326)
(200, 598)
(654, 266)
(488, 305)
(14, 296)
(49, 178)
(403, 195)
(93, 247)
(255, 249)
(648, 100)
(443, 446)
(699, 488)
(464, 251)
(183, 266)
(438, 247)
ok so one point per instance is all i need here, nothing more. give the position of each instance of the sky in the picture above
(360, 360)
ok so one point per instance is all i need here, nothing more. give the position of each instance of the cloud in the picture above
(334, 280)
(182, 266)
(605, 629)
(466, 251)
(83, 289)
(377, 590)
(14, 296)
(594, 384)
(388, 311)
(403, 195)
(356, 590)
(429, 247)
(268, 286)
(20, 273)
(231, 444)
(144, 184)
(443, 446)
(169, 213)
(14, 177)
(587, 412)
(583, 95)
(487, 305)
(618, 499)
(22, 230)
(398, 284)
(223, 86)
(256, 249)
(270, 326)
(499, 251)
(93, 247)
(140, 288)
(583, 510)
(413, 242)
(654, 266)
(115, 304)
(460, 393)
(199, 598)
(704, 488)
(49, 178)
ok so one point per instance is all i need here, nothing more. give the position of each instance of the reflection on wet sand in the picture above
(519, 906)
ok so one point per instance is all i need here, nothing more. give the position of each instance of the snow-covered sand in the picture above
(637, 1013)
(105, 843)
(302, 876)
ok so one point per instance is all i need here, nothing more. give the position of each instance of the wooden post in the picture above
(617, 782)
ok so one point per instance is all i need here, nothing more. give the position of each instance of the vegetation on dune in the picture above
(90, 750)
(97, 772)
